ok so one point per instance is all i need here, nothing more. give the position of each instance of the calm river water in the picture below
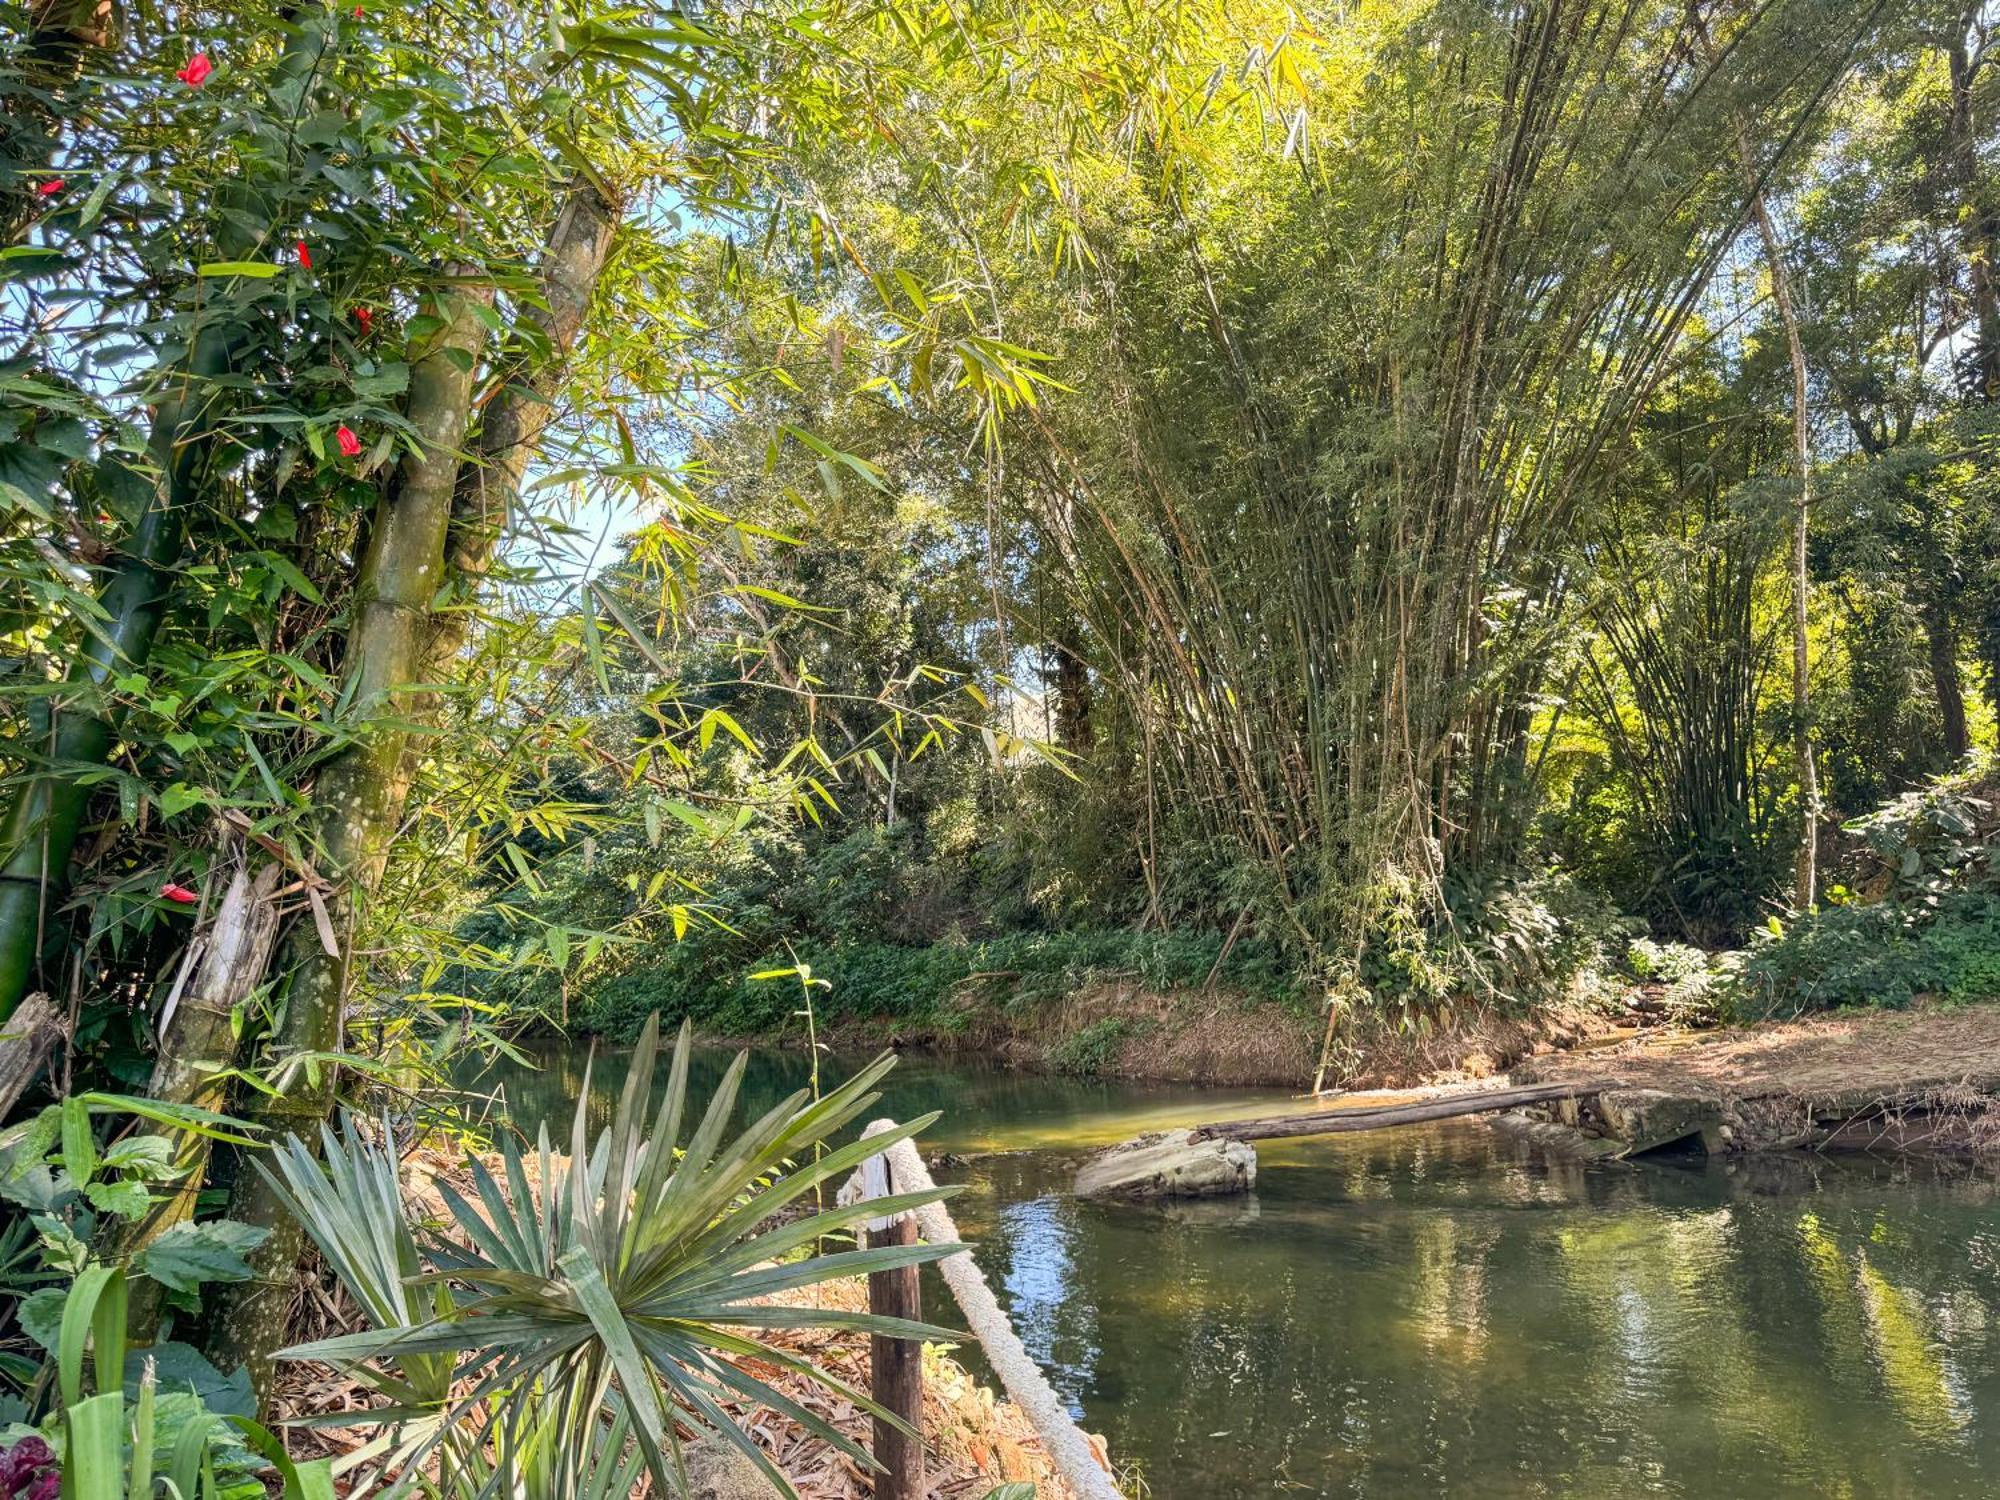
(1445, 1311)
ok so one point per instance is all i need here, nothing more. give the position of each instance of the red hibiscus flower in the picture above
(180, 895)
(366, 318)
(50, 188)
(349, 443)
(195, 74)
(305, 257)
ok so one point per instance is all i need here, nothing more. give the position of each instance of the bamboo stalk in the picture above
(358, 799)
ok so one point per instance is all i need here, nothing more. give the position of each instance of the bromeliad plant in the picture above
(557, 1337)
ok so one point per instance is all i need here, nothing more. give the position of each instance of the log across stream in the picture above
(1338, 1120)
(1594, 1117)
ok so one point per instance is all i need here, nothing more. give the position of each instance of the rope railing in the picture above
(902, 1170)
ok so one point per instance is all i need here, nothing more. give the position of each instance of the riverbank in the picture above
(1926, 1079)
(1118, 1029)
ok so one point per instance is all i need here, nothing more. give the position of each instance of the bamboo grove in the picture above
(1333, 479)
(1439, 394)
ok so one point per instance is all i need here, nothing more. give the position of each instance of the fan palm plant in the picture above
(554, 1339)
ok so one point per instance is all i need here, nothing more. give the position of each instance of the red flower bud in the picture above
(357, 12)
(349, 443)
(180, 895)
(305, 256)
(366, 318)
(195, 74)
(50, 188)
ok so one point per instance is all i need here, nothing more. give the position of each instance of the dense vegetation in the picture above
(900, 514)
(1412, 581)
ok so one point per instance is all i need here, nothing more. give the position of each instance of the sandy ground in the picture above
(1887, 1053)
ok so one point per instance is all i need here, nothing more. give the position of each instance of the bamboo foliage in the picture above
(1332, 606)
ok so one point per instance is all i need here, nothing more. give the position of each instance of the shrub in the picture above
(1885, 954)
(934, 986)
(1930, 861)
(1093, 1050)
(1664, 963)
(604, 1301)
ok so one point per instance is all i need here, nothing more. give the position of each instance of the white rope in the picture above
(1071, 1452)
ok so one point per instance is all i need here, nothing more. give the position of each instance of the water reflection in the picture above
(1449, 1312)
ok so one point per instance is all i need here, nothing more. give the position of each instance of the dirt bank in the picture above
(1923, 1079)
(1120, 1029)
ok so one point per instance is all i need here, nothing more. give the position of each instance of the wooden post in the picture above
(896, 1366)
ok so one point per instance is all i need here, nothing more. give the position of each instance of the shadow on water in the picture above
(1446, 1311)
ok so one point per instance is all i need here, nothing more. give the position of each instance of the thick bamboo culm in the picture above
(1068, 1448)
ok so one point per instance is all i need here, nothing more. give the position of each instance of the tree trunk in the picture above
(61, 36)
(1805, 876)
(359, 802)
(464, 513)
(1979, 224)
(1942, 644)
(1074, 730)
(489, 488)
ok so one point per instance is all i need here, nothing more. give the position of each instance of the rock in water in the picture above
(1169, 1165)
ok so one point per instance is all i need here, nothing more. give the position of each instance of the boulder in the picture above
(1169, 1165)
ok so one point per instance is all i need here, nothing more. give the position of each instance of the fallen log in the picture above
(1382, 1117)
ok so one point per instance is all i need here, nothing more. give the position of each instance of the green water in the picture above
(1449, 1312)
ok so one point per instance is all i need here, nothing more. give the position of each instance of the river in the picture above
(1446, 1311)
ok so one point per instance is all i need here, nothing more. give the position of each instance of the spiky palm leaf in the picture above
(629, 1287)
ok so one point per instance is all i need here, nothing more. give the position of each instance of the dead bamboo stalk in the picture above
(26, 1039)
(1382, 1117)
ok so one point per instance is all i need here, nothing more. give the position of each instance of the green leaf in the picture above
(94, 1448)
(40, 1315)
(293, 579)
(182, 1367)
(179, 797)
(190, 1254)
(258, 268)
(389, 380)
(79, 1144)
(147, 1156)
(125, 1198)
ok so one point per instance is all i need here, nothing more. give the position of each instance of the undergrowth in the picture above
(939, 987)
(1919, 914)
